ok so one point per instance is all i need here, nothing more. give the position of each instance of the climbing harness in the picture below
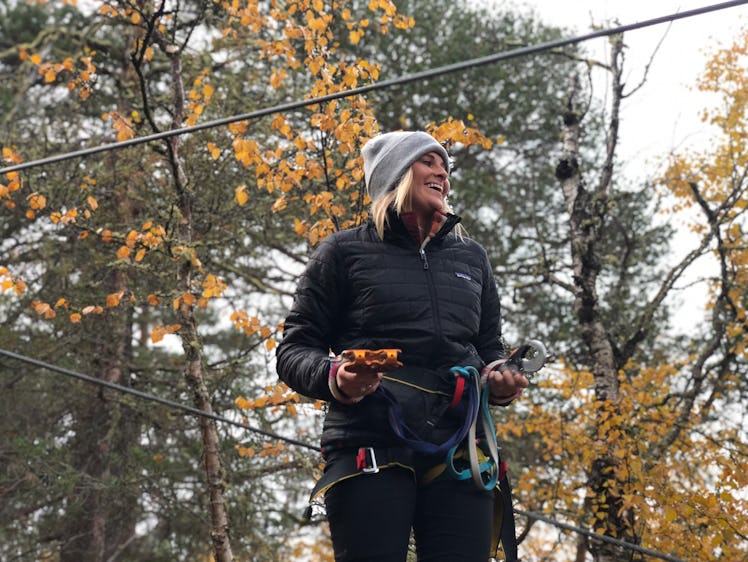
(411, 438)
(466, 456)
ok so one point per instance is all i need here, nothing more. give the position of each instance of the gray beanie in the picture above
(388, 156)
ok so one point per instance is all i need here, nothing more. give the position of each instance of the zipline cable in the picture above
(152, 398)
(215, 417)
(605, 538)
(423, 75)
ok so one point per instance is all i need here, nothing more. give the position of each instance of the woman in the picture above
(407, 280)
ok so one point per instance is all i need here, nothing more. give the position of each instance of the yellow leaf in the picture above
(159, 331)
(246, 451)
(213, 286)
(215, 152)
(131, 239)
(123, 252)
(37, 201)
(277, 77)
(241, 196)
(280, 204)
(43, 309)
(36, 58)
(113, 299)
(242, 403)
(75, 318)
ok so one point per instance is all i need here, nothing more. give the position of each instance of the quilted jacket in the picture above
(438, 304)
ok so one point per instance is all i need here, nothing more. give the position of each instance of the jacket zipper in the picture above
(446, 227)
(422, 252)
(431, 289)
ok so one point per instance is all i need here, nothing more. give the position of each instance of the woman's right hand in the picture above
(356, 385)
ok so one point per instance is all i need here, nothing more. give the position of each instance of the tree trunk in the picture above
(194, 368)
(587, 213)
(101, 515)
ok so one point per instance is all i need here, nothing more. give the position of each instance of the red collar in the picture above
(410, 220)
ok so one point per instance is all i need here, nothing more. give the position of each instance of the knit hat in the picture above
(388, 156)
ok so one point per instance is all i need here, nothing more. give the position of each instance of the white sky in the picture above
(665, 113)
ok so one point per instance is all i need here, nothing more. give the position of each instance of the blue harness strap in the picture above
(475, 395)
(412, 439)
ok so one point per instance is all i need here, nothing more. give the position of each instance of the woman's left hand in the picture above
(505, 383)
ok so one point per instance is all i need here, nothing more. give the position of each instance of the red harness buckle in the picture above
(366, 460)
(459, 389)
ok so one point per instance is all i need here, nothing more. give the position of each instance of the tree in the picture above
(113, 255)
(622, 426)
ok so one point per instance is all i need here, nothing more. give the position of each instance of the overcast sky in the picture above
(664, 114)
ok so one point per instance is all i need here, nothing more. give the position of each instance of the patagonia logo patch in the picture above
(462, 275)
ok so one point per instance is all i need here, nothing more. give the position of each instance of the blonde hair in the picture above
(400, 199)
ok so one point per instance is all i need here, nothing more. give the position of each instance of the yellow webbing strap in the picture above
(319, 491)
(436, 471)
(498, 520)
(498, 501)
(417, 387)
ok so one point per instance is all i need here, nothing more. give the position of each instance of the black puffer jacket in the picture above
(440, 306)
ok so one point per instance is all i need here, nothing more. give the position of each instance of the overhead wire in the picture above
(152, 398)
(590, 534)
(415, 77)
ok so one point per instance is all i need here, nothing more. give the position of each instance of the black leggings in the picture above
(371, 516)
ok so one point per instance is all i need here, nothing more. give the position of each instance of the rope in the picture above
(603, 538)
(152, 398)
(418, 76)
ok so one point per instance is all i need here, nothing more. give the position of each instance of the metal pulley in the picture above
(530, 357)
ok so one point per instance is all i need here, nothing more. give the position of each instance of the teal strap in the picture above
(485, 474)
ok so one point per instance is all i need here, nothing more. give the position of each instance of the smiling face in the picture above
(430, 184)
